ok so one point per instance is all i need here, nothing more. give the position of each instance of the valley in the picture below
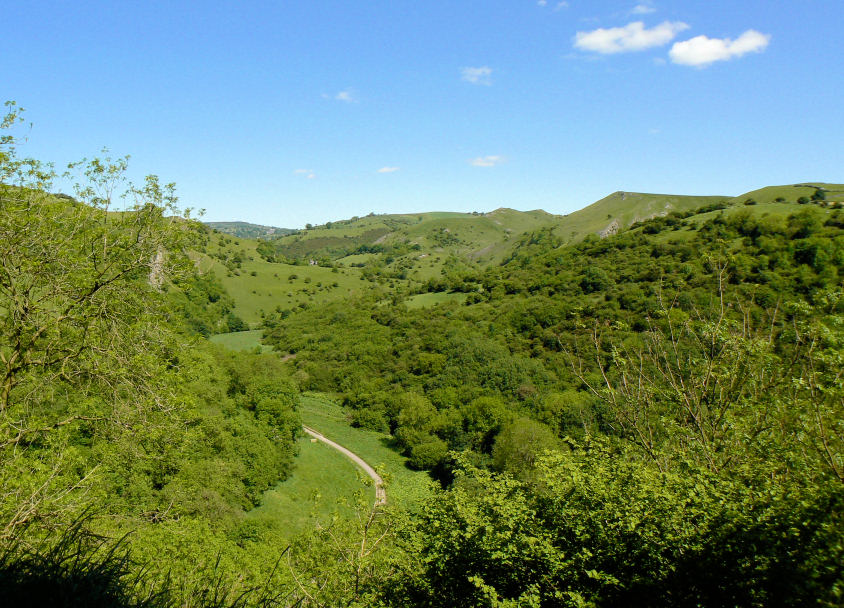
(385, 409)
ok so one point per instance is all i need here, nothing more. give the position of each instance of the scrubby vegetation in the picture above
(650, 402)
(653, 418)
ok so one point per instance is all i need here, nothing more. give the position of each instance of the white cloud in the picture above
(306, 172)
(701, 51)
(388, 169)
(348, 96)
(486, 161)
(632, 37)
(558, 6)
(643, 9)
(481, 75)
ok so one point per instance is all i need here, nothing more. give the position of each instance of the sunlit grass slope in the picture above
(324, 484)
(259, 286)
(420, 242)
(240, 340)
(404, 486)
(621, 209)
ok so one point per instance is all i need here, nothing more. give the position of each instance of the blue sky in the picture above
(290, 112)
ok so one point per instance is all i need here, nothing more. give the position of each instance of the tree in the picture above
(82, 334)
(519, 445)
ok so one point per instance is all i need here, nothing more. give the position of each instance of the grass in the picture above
(622, 209)
(260, 286)
(241, 340)
(791, 193)
(405, 487)
(476, 237)
(426, 300)
(323, 484)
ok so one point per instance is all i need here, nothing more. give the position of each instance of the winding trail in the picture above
(380, 493)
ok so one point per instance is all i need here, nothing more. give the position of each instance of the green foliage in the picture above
(107, 405)
(653, 418)
(245, 230)
(596, 528)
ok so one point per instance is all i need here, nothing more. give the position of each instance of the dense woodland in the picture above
(654, 418)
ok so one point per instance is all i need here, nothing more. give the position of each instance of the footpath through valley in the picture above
(380, 493)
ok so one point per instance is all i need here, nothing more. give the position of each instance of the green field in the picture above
(324, 484)
(241, 340)
(404, 486)
(259, 286)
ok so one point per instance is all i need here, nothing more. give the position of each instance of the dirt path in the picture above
(380, 493)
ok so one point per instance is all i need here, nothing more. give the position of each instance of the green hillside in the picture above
(257, 285)
(245, 230)
(794, 192)
(430, 253)
(620, 210)
(418, 243)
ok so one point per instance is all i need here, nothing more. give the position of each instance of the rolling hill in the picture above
(245, 230)
(409, 254)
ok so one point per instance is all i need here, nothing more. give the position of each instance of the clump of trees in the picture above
(114, 417)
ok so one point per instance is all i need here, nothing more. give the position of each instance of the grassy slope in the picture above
(477, 239)
(245, 230)
(768, 209)
(791, 192)
(621, 209)
(481, 238)
(241, 340)
(404, 486)
(323, 484)
(271, 285)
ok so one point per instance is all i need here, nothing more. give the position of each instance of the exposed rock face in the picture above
(610, 230)
(156, 270)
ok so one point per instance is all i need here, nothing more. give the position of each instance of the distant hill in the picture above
(245, 230)
(620, 210)
(422, 252)
(424, 241)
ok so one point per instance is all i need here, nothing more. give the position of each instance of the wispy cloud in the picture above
(632, 37)
(347, 95)
(308, 173)
(388, 169)
(480, 75)
(702, 51)
(486, 161)
(643, 9)
(557, 6)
